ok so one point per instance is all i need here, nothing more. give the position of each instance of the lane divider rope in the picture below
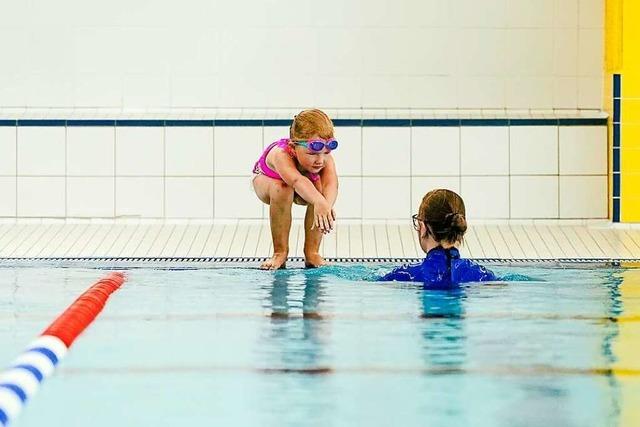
(23, 378)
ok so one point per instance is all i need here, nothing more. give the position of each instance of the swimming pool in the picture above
(238, 346)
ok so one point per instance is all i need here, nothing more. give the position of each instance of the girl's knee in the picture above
(281, 192)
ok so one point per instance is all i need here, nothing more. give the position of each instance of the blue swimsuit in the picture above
(441, 269)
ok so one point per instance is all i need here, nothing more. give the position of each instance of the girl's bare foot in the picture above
(314, 260)
(278, 260)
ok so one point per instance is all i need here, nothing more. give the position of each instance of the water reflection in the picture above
(442, 328)
(296, 336)
(622, 345)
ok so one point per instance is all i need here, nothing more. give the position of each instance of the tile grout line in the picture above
(102, 240)
(51, 239)
(19, 239)
(86, 243)
(66, 172)
(16, 173)
(535, 229)
(115, 187)
(211, 227)
(27, 250)
(126, 242)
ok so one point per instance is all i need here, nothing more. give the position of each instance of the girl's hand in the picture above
(323, 216)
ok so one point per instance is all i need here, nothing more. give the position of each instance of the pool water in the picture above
(327, 347)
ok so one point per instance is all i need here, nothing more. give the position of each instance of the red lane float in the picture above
(23, 378)
(84, 310)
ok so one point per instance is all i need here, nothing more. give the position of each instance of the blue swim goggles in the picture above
(317, 145)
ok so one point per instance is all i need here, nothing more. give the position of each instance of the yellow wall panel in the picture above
(630, 211)
(626, 347)
(630, 161)
(630, 185)
(630, 136)
(613, 35)
(631, 86)
(622, 56)
(630, 109)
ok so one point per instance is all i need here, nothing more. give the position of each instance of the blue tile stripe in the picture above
(616, 184)
(89, 123)
(347, 122)
(140, 123)
(617, 143)
(582, 122)
(16, 390)
(435, 122)
(616, 159)
(386, 123)
(41, 122)
(188, 123)
(238, 123)
(281, 122)
(485, 122)
(534, 122)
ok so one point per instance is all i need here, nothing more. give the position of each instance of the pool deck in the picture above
(522, 240)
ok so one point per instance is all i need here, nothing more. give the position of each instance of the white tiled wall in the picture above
(420, 185)
(41, 196)
(533, 150)
(201, 172)
(189, 151)
(236, 149)
(7, 151)
(591, 143)
(387, 197)
(8, 196)
(140, 151)
(583, 196)
(349, 156)
(534, 196)
(435, 151)
(235, 198)
(189, 197)
(484, 150)
(385, 151)
(486, 196)
(140, 197)
(383, 53)
(91, 151)
(90, 197)
(41, 151)
(351, 206)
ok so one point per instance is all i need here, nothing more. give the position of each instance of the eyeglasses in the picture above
(416, 221)
(318, 144)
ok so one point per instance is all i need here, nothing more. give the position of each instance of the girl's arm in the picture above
(329, 178)
(286, 168)
(322, 212)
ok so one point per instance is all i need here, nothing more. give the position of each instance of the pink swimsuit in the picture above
(261, 165)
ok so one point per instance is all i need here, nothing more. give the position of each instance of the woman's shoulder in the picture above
(468, 270)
